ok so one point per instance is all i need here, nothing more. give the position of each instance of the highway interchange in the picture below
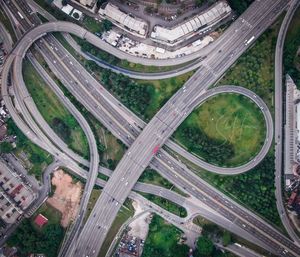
(187, 101)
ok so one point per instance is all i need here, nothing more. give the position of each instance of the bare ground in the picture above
(139, 226)
(66, 197)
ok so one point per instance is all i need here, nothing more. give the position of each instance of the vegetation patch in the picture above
(166, 204)
(261, 197)
(28, 238)
(163, 240)
(227, 130)
(254, 70)
(150, 176)
(6, 22)
(291, 55)
(37, 157)
(57, 116)
(123, 63)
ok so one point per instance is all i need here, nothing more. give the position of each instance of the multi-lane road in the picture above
(207, 67)
(279, 120)
(162, 126)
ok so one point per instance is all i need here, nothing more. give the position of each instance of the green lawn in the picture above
(212, 230)
(91, 24)
(57, 116)
(162, 240)
(227, 119)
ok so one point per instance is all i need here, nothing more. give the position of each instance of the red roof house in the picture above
(40, 220)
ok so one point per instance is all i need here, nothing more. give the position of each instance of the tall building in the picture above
(87, 3)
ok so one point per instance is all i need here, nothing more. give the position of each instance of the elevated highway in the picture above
(172, 174)
(279, 120)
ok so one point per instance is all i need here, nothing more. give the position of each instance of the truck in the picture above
(247, 42)
(155, 150)
(21, 16)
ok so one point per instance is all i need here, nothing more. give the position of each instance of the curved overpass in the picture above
(267, 142)
(279, 120)
(285, 242)
(41, 30)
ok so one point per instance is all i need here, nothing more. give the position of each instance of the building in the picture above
(87, 3)
(15, 195)
(292, 198)
(40, 220)
(193, 26)
(123, 20)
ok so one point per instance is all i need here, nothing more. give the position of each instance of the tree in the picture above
(198, 3)
(105, 25)
(5, 147)
(64, 2)
(205, 246)
(76, 15)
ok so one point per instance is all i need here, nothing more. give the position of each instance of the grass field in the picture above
(53, 215)
(229, 118)
(211, 229)
(162, 240)
(255, 71)
(54, 112)
(150, 176)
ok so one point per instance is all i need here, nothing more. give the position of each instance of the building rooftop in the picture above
(40, 220)
(208, 18)
(118, 17)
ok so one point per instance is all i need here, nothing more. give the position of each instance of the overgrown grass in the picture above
(163, 240)
(163, 90)
(255, 68)
(56, 115)
(226, 118)
(34, 158)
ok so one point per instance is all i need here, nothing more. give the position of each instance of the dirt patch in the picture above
(140, 226)
(66, 197)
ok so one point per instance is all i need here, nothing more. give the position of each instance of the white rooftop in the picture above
(114, 13)
(211, 16)
(67, 9)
